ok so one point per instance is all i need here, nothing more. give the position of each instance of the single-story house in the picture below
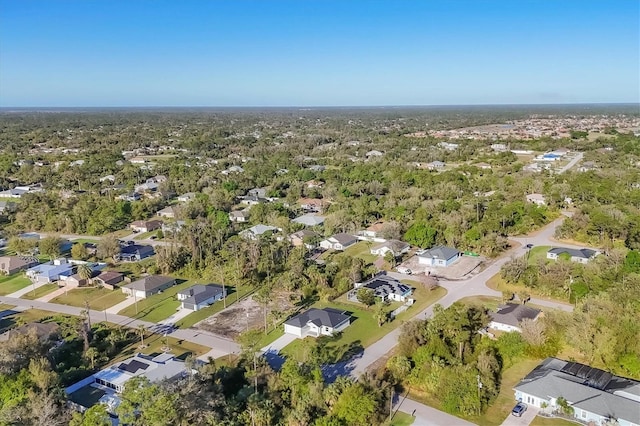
(538, 199)
(45, 331)
(111, 380)
(373, 230)
(304, 237)
(338, 242)
(239, 216)
(398, 248)
(168, 212)
(200, 296)
(187, 197)
(311, 205)
(51, 271)
(385, 287)
(314, 184)
(13, 193)
(145, 225)
(438, 256)
(134, 252)
(374, 153)
(109, 279)
(129, 196)
(148, 286)
(7, 206)
(257, 192)
(577, 255)
(435, 165)
(253, 200)
(12, 264)
(256, 231)
(317, 322)
(172, 227)
(508, 317)
(596, 396)
(309, 219)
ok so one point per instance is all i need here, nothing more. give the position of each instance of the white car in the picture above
(403, 270)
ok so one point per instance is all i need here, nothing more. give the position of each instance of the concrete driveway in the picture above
(525, 420)
(181, 313)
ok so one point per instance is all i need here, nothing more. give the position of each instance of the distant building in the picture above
(309, 219)
(538, 199)
(257, 231)
(145, 225)
(338, 242)
(239, 216)
(397, 248)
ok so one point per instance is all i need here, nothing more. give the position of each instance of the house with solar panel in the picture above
(384, 287)
(105, 385)
(596, 396)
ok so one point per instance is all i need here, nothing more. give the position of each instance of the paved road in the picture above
(427, 416)
(129, 237)
(219, 345)
(571, 163)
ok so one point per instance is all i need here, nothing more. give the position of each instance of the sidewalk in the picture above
(25, 290)
(120, 306)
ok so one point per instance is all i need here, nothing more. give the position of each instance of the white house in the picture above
(200, 296)
(309, 219)
(168, 212)
(239, 216)
(577, 255)
(385, 287)
(187, 197)
(508, 317)
(596, 396)
(338, 242)
(256, 231)
(148, 286)
(398, 248)
(317, 322)
(438, 256)
(538, 199)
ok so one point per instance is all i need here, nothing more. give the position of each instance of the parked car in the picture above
(403, 270)
(529, 246)
(519, 409)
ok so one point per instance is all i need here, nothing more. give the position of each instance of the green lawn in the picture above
(145, 235)
(364, 329)
(12, 283)
(154, 344)
(402, 419)
(551, 421)
(536, 253)
(30, 315)
(4, 307)
(157, 307)
(99, 298)
(120, 233)
(198, 316)
(271, 336)
(362, 249)
(40, 291)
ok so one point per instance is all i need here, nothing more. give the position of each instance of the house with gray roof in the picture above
(257, 231)
(12, 264)
(438, 256)
(338, 242)
(317, 322)
(596, 396)
(309, 219)
(384, 287)
(508, 317)
(398, 248)
(576, 255)
(200, 296)
(148, 286)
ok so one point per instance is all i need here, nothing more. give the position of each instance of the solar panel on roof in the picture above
(133, 366)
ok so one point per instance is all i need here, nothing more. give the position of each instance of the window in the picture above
(584, 414)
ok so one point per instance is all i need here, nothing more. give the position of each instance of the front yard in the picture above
(364, 329)
(198, 316)
(26, 317)
(157, 307)
(99, 298)
(361, 249)
(12, 283)
(40, 291)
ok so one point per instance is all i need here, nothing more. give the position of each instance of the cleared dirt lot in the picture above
(241, 316)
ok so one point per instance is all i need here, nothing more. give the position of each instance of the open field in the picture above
(12, 283)
(99, 298)
(40, 291)
(364, 329)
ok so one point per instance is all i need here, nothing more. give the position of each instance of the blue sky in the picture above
(317, 52)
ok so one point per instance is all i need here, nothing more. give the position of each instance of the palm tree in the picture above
(91, 354)
(85, 272)
(142, 330)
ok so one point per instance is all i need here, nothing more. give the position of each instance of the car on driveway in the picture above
(529, 246)
(519, 409)
(403, 270)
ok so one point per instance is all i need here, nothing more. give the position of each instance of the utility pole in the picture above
(391, 405)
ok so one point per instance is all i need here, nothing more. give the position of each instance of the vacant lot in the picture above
(18, 318)
(241, 316)
(12, 283)
(99, 298)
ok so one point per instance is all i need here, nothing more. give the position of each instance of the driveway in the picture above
(181, 313)
(25, 290)
(120, 306)
(428, 416)
(525, 420)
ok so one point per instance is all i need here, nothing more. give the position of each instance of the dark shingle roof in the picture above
(440, 252)
(345, 239)
(199, 293)
(513, 313)
(150, 283)
(320, 317)
(582, 253)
